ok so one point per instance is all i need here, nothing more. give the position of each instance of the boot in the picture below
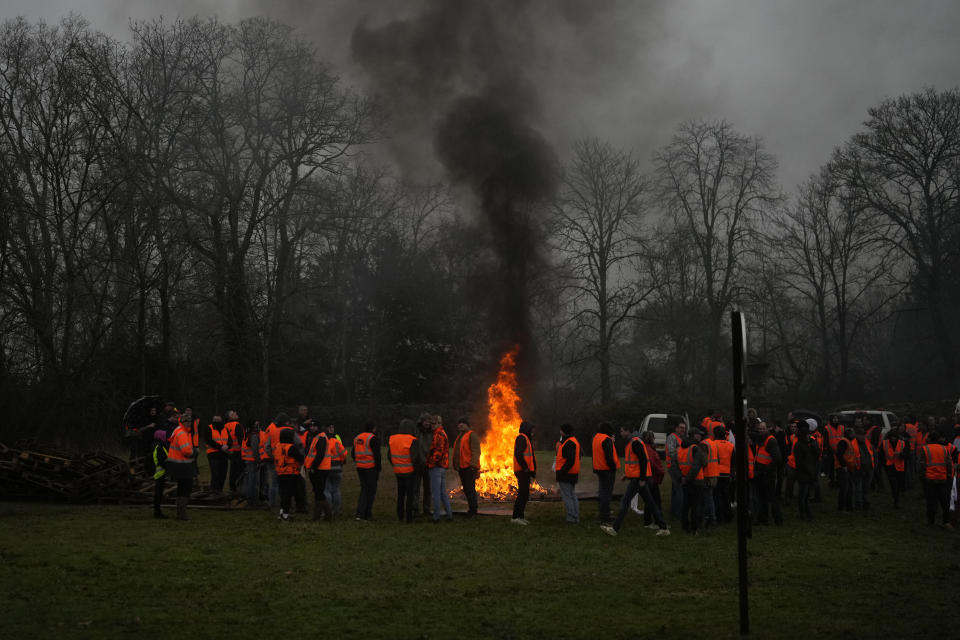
(182, 508)
(324, 507)
(157, 499)
(317, 509)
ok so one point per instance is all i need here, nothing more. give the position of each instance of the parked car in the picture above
(661, 424)
(883, 419)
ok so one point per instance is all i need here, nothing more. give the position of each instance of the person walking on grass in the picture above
(438, 460)
(567, 466)
(525, 470)
(637, 471)
(466, 460)
(605, 465)
(654, 479)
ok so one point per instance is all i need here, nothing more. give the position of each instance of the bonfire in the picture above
(496, 481)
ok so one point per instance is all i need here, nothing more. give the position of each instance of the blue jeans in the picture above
(633, 489)
(251, 483)
(332, 492)
(570, 502)
(273, 484)
(438, 489)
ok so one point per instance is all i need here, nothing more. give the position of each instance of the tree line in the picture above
(201, 212)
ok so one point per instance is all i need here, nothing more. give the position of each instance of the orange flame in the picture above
(497, 480)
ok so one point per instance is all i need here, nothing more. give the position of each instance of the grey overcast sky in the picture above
(799, 73)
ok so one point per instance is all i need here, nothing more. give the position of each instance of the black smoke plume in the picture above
(453, 75)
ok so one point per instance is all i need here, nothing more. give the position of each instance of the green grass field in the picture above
(114, 571)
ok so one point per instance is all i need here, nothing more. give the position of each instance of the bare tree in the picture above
(831, 255)
(716, 183)
(597, 230)
(904, 167)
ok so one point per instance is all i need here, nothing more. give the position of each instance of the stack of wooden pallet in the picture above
(31, 471)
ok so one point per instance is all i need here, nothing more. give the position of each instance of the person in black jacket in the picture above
(525, 469)
(805, 454)
(766, 467)
(635, 470)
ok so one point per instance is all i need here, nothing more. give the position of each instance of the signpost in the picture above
(739, 330)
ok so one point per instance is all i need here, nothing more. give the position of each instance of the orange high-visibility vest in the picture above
(763, 456)
(286, 464)
(937, 461)
(314, 451)
(724, 456)
(560, 461)
(792, 459)
(600, 460)
(834, 433)
(631, 463)
(181, 446)
(220, 437)
(466, 453)
(246, 451)
(335, 450)
(235, 445)
(711, 426)
(400, 445)
(528, 456)
(913, 430)
(819, 438)
(751, 462)
(362, 452)
(851, 457)
(712, 470)
(891, 455)
(685, 459)
(265, 447)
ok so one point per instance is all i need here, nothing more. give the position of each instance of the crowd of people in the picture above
(270, 466)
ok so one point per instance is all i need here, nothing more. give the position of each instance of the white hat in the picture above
(812, 424)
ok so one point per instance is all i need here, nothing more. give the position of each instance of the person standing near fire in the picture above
(466, 460)
(567, 466)
(421, 481)
(525, 469)
(438, 460)
(401, 449)
(605, 465)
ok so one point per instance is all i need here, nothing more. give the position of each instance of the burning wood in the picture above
(497, 481)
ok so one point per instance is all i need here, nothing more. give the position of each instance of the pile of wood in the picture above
(29, 471)
(35, 472)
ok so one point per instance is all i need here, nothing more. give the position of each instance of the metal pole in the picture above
(739, 331)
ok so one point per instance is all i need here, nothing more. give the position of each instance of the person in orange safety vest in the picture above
(567, 468)
(401, 450)
(466, 461)
(524, 468)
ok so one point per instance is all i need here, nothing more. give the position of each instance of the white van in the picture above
(661, 424)
(883, 419)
